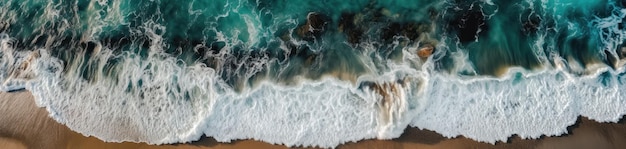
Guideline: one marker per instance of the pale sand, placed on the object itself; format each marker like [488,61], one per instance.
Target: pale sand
[22,125]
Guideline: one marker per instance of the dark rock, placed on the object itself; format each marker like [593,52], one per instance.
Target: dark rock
[314,27]
[348,25]
[467,23]
[410,30]
[425,51]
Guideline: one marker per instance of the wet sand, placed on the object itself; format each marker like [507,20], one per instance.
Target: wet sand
[24,125]
[11,143]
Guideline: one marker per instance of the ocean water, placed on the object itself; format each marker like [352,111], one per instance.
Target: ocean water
[316,73]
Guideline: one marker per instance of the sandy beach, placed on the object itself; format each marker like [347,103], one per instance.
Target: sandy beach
[24,125]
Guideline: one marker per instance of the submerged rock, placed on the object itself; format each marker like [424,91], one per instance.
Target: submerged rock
[314,27]
[467,24]
[348,25]
[411,30]
[425,51]
[384,24]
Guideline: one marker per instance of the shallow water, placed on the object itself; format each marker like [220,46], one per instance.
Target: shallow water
[315,73]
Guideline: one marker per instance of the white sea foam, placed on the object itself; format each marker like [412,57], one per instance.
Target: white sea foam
[152,101]
[10,62]
[179,104]
[325,113]
[544,103]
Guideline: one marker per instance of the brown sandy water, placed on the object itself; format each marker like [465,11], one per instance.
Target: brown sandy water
[24,125]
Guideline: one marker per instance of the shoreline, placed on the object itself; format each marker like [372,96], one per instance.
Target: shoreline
[24,125]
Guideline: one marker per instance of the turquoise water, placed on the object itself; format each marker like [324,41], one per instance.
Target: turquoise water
[315,73]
